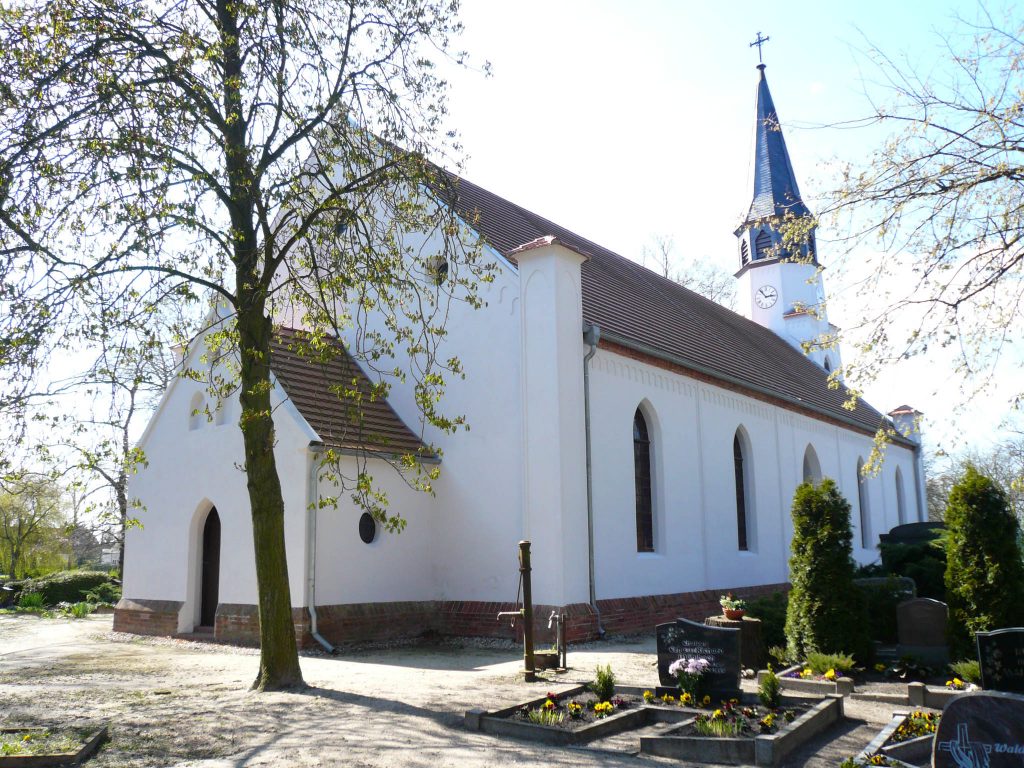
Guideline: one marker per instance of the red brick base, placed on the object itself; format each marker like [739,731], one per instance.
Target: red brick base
[356,622]
[147,617]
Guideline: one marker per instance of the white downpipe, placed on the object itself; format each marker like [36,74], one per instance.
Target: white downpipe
[312,507]
[591,337]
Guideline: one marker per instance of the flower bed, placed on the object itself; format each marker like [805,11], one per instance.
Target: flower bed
[907,738]
[798,678]
[740,739]
[764,733]
[43,747]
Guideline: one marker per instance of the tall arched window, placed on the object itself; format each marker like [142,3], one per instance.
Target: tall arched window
[741,472]
[642,478]
[812,467]
[762,245]
[862,502]
[901,501]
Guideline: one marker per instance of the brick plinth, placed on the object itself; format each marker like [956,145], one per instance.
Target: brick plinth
[355,622]
[147,617]
[239,624]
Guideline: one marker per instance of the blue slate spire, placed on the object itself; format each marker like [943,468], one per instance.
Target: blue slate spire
[775,188]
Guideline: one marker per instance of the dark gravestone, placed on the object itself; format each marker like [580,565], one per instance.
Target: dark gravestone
[980,730]
[683,639]
[1001,657]
[921,629]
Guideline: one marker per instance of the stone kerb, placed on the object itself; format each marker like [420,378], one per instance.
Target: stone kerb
[843,686]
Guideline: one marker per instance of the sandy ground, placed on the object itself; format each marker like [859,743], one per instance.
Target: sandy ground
[176,703]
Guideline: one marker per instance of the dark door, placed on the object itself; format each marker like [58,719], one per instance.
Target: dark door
[211,569]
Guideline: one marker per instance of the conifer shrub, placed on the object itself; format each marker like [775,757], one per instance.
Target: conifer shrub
[66,586]
[604,683]
[826,612]
[984,571]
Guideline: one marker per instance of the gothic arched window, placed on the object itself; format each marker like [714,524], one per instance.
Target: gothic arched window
[862,502]
[901,501]
[812,467]
[642,478]
[741,472]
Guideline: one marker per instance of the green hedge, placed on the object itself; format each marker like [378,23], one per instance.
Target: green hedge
[771,610]
[66,586]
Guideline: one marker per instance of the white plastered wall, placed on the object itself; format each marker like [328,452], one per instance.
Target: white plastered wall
[191,470]
[692,427]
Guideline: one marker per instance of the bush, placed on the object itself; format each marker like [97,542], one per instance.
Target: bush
[771,610]
[880,599]
[604,683]
[925,563]
[31,600]
[66,586]
[79,610]
[106,593]
[820,663]
[826,613]
[770,690]
[984,571]
[968,670]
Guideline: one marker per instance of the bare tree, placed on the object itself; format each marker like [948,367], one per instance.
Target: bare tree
[699,275]
[937,211]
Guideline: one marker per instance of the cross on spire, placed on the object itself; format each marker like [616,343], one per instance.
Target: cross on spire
[759,42]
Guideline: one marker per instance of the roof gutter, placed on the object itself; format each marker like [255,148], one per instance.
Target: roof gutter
[312,507]
[726,378]
[591,337]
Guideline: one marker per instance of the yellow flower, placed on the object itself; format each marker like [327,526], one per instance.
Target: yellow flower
[717,714]
[648,696]
[807,672]
[830,675]
[686,699]
[880,667]
[706,701]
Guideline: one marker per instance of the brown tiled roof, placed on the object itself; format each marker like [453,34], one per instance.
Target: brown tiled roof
[642,310]
[350,423]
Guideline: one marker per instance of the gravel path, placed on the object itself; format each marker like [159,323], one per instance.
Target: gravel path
[177,703]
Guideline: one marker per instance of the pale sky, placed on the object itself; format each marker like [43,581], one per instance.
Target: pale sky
[623,120]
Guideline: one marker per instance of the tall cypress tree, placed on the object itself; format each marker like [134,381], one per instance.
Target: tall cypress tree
[984,570]
[826,611]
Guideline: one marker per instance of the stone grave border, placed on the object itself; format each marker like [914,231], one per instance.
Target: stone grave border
[917,695]
[766,749]
[842,686]
[89,746]
[909,752]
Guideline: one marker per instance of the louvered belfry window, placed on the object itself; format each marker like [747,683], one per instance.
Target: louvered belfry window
[741,493]
[744,253]
[642,477]
[762,245]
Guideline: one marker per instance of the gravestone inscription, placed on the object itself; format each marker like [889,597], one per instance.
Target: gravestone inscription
[980,730]
[683,639]
[1001,658]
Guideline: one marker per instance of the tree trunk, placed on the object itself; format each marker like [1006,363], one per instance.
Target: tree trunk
[279,658]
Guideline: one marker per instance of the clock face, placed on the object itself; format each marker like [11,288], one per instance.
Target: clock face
[766,296]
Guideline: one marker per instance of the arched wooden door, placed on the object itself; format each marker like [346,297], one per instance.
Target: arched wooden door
[211,570]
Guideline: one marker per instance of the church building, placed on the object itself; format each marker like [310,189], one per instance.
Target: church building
[645,439]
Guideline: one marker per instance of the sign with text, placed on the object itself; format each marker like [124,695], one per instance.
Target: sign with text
[980,730]
[720,646]
[1001,657]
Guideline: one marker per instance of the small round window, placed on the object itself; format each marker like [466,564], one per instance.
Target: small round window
[367,528]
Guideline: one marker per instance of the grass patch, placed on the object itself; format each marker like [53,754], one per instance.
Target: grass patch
[41,742]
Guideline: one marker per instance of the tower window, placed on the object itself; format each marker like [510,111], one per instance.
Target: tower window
[762,245]
[642,476]
[744,252]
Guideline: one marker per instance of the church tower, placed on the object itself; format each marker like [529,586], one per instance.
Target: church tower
[780,284]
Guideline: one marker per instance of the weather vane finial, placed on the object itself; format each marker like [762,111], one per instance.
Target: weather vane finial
[759,42]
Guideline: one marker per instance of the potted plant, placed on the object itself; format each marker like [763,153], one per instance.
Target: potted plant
[733,607]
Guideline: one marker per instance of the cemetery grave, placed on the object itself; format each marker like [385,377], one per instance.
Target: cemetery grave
[44,747]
